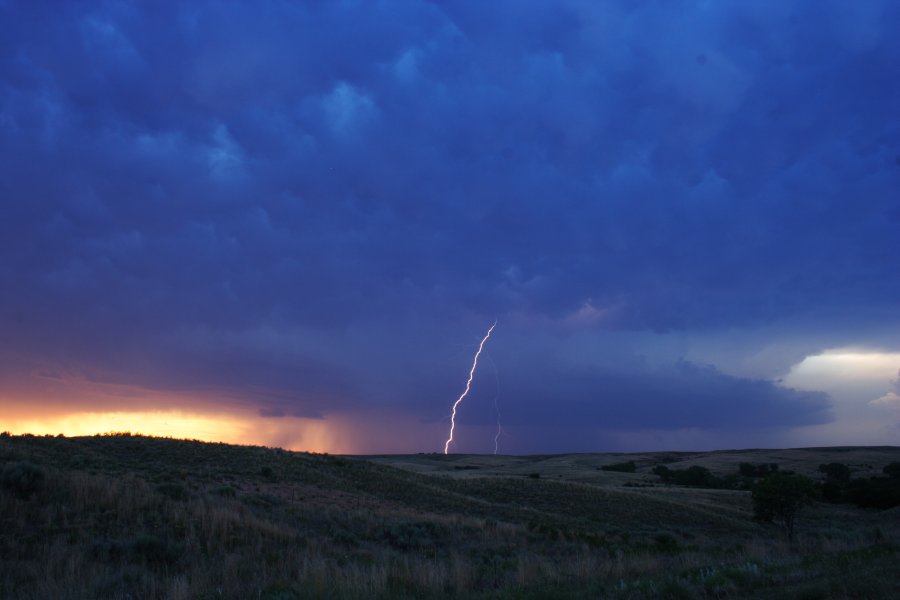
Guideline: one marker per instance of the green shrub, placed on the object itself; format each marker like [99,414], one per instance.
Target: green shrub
[226,491]
[779,498]
[407,536]
[175,491]
[22,479]
[623,467]
[279,592]
[832,492]
[761,470]
[696,476]
[876,492]
[108,550]
[675,590]
[666,543]
[835,471]
[664,473]
[151,549]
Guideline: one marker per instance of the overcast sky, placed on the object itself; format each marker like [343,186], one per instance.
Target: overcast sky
[303,217]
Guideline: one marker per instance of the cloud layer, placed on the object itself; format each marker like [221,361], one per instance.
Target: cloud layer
[316,207]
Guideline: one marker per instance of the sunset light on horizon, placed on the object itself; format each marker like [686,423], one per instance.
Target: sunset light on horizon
[307,435]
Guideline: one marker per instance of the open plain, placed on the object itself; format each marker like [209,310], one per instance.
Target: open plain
[122,516]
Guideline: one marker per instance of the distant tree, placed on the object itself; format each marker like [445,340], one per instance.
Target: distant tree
[664,473]
[696,476]
[835,472]
[780,497]
[872,492]
[623,467]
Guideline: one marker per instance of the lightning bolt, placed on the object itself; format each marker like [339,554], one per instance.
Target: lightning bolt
[496,404]
[468,387]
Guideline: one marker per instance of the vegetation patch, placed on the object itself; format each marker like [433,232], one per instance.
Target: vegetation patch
[125,516]
[22,479]
[622,467]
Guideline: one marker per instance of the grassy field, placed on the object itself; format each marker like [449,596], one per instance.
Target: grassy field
[123,516]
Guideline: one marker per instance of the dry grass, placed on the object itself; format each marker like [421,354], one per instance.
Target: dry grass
[136,517]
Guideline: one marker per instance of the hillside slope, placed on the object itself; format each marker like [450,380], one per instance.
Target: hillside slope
[125,516]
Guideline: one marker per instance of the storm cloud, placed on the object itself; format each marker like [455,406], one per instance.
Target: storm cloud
[318,206]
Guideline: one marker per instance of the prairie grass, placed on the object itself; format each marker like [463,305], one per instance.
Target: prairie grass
[124,516]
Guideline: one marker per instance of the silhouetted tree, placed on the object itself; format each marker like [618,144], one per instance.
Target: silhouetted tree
[664,473]
[696,476]
[780,497]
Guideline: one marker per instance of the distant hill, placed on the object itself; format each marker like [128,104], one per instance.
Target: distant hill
[122,516]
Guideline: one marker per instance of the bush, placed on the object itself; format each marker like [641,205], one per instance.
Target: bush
[877,492]
[226,490]
[695,476]
[279,592]
[692,476]
[666,543]
[832,492]
[624,467]
[151,549]
[761,470]
[175,491]
[892,470]
[835,471]
[407,536]
[22,479]
[664,473]
[779,498]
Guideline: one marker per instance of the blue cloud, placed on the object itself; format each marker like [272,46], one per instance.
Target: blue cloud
[330,168]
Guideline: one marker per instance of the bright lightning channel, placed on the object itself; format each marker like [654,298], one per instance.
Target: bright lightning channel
[468,387]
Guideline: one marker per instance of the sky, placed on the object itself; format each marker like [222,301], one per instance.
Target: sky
[292,223]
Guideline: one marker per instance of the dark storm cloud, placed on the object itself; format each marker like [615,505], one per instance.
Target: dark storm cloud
[177,178]
[620,391]
[679,397]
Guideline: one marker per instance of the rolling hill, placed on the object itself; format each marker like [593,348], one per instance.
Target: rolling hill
[123,516]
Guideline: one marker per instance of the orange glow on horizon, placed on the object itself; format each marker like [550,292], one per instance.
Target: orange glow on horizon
[292,433]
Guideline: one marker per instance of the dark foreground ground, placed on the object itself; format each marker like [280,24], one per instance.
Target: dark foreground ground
[123,516]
